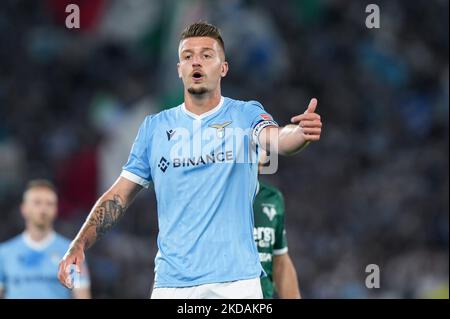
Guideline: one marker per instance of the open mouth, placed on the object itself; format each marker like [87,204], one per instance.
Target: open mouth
[197,76]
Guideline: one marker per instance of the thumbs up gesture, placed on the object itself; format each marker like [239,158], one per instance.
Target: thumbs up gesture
[309,122]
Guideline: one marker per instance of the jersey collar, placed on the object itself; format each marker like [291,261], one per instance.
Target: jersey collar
[38,245]
[203,115]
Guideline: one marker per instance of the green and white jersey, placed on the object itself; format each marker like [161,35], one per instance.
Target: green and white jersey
[269,231]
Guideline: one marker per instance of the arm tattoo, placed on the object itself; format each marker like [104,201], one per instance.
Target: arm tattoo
[102,218]
[106,215]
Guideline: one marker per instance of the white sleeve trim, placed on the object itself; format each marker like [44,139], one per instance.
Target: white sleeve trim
[135,179]
[259,127]
[282,251]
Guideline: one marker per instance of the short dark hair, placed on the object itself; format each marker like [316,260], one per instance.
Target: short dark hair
[203,29]
[40,183]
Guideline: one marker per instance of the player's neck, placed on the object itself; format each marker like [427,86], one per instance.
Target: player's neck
[38,234]
[199,104]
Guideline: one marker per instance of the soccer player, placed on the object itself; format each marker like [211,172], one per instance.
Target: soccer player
[270,237]
[29,261]
[204,191]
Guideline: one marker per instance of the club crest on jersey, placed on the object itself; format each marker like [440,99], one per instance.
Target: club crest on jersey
[269,210]
[220,128]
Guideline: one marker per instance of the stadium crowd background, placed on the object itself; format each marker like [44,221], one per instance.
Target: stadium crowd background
[374,190]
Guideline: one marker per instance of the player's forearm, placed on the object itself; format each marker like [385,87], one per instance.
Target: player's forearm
[104,215]
[106,212]
[285,140]
[290,140]
[294,138]
[287,287]
[285,278]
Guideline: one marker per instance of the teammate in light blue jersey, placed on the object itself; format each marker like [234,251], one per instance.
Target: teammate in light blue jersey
[29,261]
[202,158]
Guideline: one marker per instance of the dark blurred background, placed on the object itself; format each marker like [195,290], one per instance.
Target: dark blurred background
[374,190]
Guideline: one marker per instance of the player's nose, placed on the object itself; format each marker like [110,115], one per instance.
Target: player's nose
[196,61]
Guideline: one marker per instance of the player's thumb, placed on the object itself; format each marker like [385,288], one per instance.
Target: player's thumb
[312,106]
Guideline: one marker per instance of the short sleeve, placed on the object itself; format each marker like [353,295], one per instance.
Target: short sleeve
[137,169]
[280,246]
[259,119]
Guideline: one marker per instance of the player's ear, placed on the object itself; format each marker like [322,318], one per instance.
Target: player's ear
[178,69]
[224,70]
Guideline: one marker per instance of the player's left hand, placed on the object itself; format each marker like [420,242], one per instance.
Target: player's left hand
[309,122]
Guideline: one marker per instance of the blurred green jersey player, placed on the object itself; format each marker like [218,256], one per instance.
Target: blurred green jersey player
[271,240]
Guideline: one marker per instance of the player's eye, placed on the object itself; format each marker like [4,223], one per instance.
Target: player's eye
[187,57]
[206,56]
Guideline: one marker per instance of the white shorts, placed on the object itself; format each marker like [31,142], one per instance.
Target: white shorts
[239,289]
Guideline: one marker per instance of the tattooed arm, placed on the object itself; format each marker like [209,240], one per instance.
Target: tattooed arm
[106,212]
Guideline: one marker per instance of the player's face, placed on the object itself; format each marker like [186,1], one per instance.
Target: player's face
[202,64]
[39,207]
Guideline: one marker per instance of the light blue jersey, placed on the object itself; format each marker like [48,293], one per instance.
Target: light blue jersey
[205,178]
[28,269]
